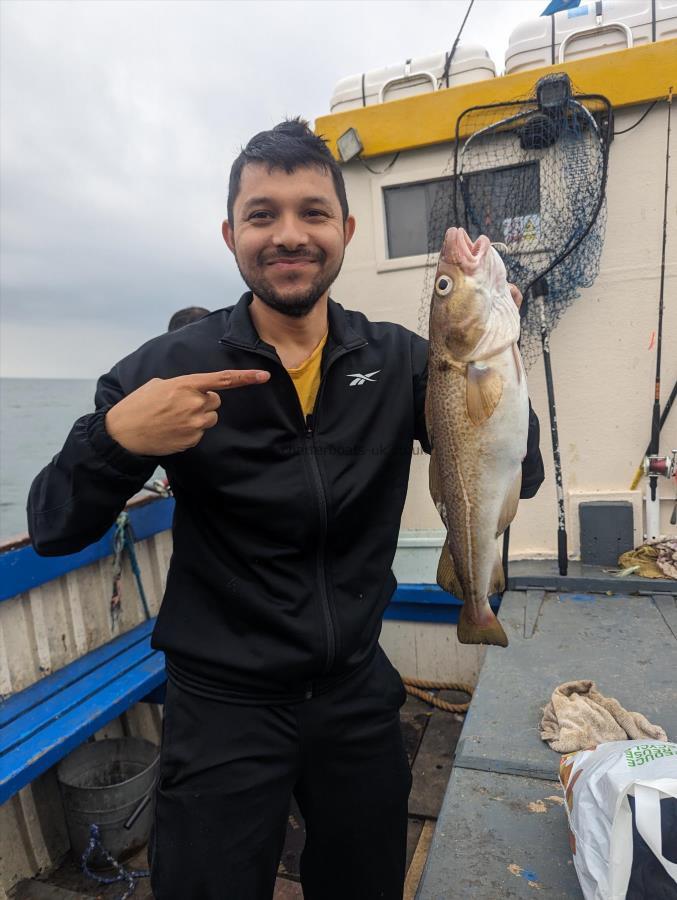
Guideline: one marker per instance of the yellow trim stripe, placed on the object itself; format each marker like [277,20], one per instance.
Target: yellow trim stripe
[625,77]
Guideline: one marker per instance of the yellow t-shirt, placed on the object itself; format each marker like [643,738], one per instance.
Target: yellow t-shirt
[306,378]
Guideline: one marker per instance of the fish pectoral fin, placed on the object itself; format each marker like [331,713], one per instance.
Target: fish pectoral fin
[510,504]
[469,632]
[446,573]
[483,392]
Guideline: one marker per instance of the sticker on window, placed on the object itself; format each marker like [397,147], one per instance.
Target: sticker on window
[522,229]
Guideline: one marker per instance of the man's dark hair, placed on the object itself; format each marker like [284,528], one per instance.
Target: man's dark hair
[186,316]
[287,146]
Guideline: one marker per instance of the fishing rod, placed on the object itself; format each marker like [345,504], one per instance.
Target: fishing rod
[447,65]
[505,554]
[647,452]
[652,508]
[539,294]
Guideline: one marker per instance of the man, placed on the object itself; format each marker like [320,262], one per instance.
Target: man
[185,316]
[289,495]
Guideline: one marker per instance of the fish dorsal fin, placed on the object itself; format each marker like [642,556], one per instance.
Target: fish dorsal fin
[509,509]
[518,362]
[484,390]
[446,573]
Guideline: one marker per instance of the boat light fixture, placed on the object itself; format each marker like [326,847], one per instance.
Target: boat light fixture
[553,92]
[349,145]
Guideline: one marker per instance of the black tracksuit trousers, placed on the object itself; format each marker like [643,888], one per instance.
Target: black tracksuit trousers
[227,774]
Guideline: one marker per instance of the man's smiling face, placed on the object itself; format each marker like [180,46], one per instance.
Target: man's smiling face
[288,235]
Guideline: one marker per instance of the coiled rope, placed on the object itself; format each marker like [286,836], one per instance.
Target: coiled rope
[420,687]
[131,876]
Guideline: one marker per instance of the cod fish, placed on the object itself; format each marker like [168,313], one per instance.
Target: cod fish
[477,416]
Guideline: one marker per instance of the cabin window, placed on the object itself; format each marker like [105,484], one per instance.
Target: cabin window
[408,208]
[506,204]
[503,211]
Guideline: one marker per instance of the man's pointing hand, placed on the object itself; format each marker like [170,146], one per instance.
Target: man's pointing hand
[167,415]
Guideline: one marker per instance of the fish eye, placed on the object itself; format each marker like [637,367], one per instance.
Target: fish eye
[444,286]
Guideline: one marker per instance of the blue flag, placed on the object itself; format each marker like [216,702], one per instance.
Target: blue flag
[556,6]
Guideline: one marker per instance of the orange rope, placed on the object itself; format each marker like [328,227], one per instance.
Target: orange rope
[419,687]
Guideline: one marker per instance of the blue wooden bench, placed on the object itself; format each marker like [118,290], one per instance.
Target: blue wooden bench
[43,723]
[40,725]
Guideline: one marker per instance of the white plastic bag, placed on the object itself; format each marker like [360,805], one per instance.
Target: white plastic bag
[596,786]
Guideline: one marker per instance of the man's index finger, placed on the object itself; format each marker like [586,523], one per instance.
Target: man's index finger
[225,379]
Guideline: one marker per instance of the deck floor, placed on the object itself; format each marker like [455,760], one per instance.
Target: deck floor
[430,738]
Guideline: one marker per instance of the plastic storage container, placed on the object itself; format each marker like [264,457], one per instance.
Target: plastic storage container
[415,76]
[574,33]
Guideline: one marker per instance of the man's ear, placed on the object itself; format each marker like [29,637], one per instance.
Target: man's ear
[227,232]
[348,229]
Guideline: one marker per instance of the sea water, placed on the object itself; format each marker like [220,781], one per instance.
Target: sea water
[36,415]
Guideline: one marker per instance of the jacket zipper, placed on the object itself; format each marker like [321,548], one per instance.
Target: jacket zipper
[309,425]
[321,547]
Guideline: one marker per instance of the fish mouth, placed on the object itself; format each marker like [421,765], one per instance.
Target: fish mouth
[460,250]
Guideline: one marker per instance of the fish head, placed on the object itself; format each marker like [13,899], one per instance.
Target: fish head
[469,275]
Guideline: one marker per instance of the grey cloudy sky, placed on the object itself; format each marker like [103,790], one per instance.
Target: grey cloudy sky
[119,122]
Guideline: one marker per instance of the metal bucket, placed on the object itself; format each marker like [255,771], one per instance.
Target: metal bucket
[109,783]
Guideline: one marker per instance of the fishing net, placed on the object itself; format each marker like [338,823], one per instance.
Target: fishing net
[530,174]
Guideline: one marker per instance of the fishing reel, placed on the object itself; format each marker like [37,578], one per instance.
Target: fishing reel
[665,466]
[661,465]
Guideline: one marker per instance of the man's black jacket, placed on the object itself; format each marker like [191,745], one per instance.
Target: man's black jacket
[285,528]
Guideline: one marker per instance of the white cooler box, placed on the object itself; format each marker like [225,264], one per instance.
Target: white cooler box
[415,76]
[579,31]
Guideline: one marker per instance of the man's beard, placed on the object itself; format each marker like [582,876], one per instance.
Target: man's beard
[295,305]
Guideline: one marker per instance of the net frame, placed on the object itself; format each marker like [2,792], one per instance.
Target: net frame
[527,109]
[569,256]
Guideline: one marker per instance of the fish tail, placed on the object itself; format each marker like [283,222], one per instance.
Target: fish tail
[491,632]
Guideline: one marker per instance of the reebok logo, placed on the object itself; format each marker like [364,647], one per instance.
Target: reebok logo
[358,378]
